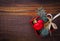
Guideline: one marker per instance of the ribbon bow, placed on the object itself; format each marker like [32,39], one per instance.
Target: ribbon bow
[47,26]
[50,23]
[51,18]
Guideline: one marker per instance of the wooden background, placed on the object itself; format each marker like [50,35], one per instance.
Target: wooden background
[15,16]
[29,9]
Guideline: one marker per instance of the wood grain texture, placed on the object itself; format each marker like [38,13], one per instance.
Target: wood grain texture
[15,17]
[18,28]
[31,9]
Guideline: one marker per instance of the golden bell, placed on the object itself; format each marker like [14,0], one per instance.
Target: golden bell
[34,21]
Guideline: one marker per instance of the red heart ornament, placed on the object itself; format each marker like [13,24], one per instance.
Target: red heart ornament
[39,25]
